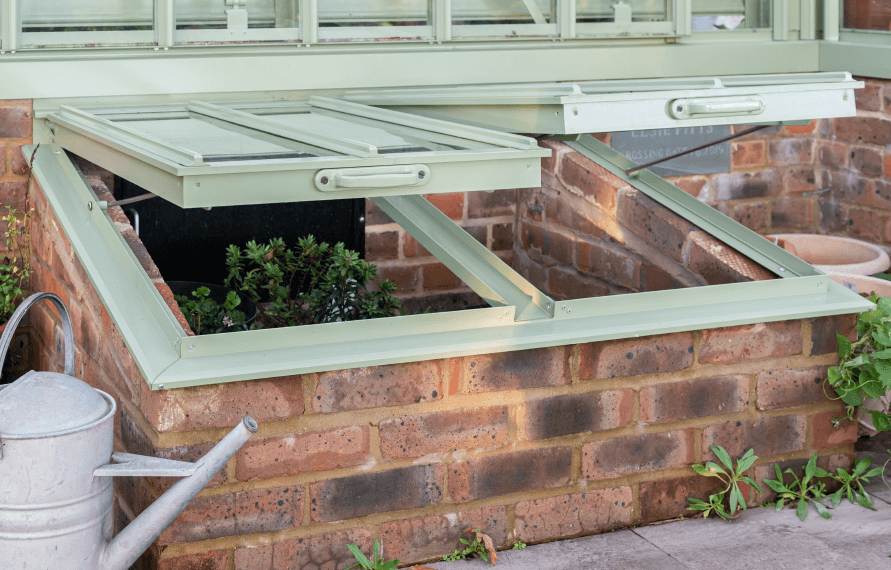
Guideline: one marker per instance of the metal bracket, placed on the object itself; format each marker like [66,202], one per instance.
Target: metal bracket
[471,261]
[130,465]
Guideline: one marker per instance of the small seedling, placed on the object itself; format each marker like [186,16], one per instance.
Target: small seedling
[731,477]
[800,491]
[852,484]
[481,546]
[518,545]
[376,563]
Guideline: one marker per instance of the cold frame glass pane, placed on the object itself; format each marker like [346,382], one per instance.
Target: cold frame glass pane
[488,12]
[601,11]
[214,21]
[867,15]
[112,22]
[716,15]
[363,20]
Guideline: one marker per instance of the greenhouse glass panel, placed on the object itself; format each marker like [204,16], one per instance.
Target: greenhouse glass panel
[86,23]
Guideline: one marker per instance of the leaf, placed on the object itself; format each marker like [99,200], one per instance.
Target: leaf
[821,510]
[715,468]
[360,558]
[722,454]
[844,346]
[880,421]
[752,483]
[835,498]
[884,305]
[801,511]
[873,388]
[486,540]
[733,500]
[871,316]
[745,462]
[882,338]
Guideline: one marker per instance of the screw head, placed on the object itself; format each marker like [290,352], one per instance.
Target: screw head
[679,109]
[782,269]
[90,206]
[323,180]
[160,386]
[191,347]
[422,174]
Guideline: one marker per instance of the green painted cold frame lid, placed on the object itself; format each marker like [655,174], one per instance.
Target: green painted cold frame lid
[202,155]
[626,105]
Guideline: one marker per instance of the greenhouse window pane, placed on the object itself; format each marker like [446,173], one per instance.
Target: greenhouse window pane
[721,15]
[213,21]
[363,20]
[87,22]
[504,18]
[867,15]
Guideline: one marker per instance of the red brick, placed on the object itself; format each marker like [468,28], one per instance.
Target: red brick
[412,248]
[694,186]
[657,225]
[450,203]
[867,161]
[617,457]
[16,121]
[572,515]
[368,493]
[502,237]
[244,512]
[753,216]
[826,435]
[561,212]
[531,203]
[381,245]
[869,98]
[667,498]
[767,436]
[719,264]
[694,399]
[557,416]
[415,436]
[516,370]
[224,405]
[833,216]
[566,283]
[792,213]
[632,357]
[750,342]
[491,204]
[657,279]
[741,186]
[213,560]
[375,216]
[327,550]
[20,163]
[787,152]
[552,244]
[508,473]
[865,224]
[404,277]
[612,265]
[801,129]
[425,538]
[14,194]
[378,386]
[823,331]
[168,297]
[590,179]
[438,277]
[888,165]
[862,129]
[790,388]
[833,155]
[290,454]
[747,154]
[799,180]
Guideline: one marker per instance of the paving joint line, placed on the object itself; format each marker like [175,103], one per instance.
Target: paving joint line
[634,530]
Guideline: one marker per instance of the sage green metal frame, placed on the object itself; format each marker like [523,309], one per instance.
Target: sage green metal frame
[168,358]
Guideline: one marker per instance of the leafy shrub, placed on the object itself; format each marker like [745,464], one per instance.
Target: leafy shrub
[206,316]
[309,284]
[16,264]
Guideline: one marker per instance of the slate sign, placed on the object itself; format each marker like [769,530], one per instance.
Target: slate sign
[653,144]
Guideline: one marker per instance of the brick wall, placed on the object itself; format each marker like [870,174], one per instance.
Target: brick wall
[421,280]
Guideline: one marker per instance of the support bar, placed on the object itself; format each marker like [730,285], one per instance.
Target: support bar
[472,262]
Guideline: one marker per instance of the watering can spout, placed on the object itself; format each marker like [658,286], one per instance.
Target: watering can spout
[132,541]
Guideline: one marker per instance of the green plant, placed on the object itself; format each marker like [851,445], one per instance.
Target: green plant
[376,563]
[518,545]
[206,316]
[864,369]
[852,483]
[16,264]
[481,546]
[311,283]
[800,491]
[730,477]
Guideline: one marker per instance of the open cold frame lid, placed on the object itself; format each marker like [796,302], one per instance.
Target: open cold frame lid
[202,155]
[609,106]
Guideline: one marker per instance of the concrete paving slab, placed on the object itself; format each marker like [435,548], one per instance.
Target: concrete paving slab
[622,550]
[762,538]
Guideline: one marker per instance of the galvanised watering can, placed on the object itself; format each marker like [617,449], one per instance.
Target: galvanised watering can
[56,465]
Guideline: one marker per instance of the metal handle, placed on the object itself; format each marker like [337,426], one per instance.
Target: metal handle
[691,108]
[334,179]
[19,313]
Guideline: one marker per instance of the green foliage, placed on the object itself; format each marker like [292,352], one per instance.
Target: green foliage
[518,545]
[15,268]
[730,476]
[206,316]
[864,369]
[311,283]
[376,563]
[852,483]
[477,547]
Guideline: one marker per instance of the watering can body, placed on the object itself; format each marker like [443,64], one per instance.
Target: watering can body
[56,470]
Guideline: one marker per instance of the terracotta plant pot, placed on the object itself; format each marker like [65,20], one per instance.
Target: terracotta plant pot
[835,254]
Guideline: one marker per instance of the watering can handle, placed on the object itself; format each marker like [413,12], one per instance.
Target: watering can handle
[16,317]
